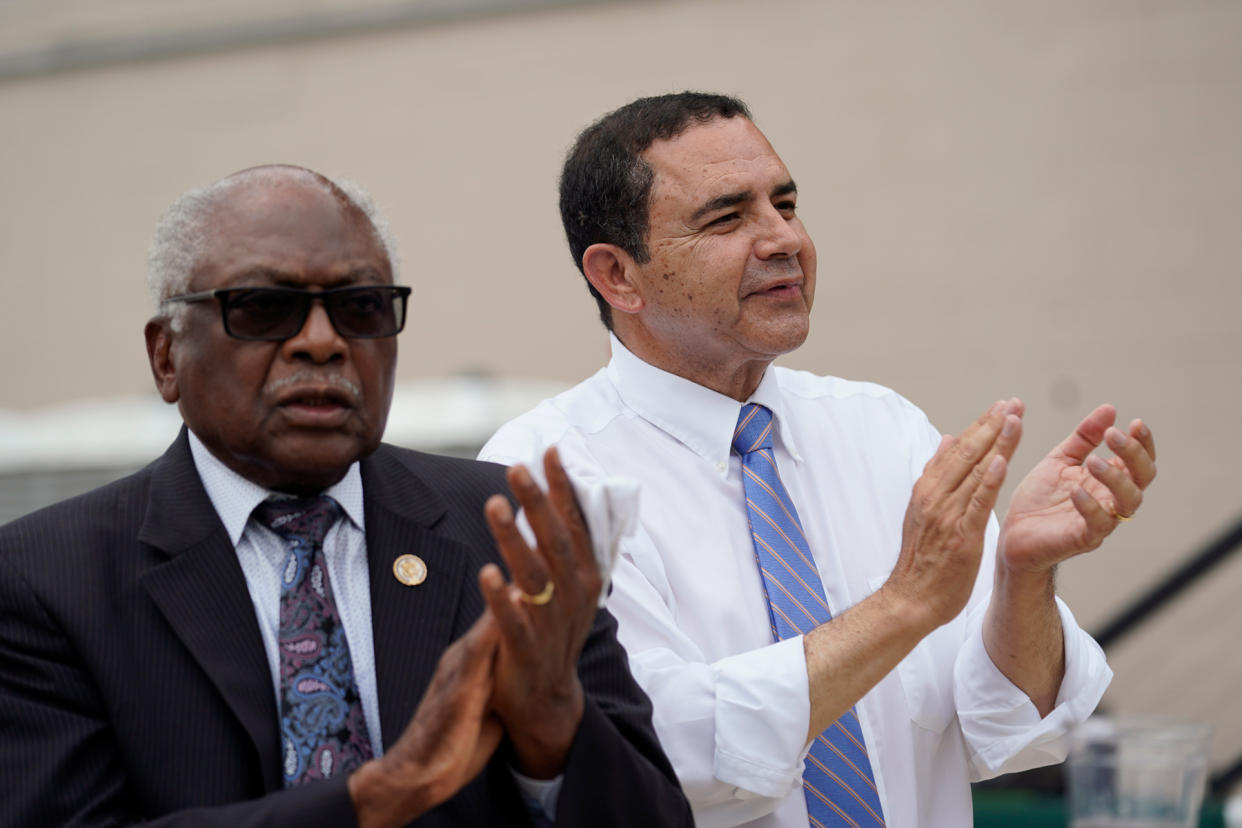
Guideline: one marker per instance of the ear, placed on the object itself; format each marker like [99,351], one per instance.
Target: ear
[159,352]
[614,274]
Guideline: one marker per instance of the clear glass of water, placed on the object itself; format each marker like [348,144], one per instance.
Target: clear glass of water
[1134,772]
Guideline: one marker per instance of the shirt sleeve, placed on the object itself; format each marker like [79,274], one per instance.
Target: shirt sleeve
[1002,728]
[735,729]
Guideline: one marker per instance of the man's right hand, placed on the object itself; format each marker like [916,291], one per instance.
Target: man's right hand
[942,537]
[446,744]
[942,545]
[539,697]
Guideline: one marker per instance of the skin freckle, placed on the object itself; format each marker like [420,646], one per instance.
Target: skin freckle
[700,274]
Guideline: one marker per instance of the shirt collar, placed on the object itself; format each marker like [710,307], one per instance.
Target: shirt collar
[700,418]
[234,497]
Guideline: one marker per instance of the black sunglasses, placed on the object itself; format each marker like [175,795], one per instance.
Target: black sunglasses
[275,314]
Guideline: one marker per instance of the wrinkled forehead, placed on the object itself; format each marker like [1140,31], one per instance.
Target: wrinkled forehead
[280,199]
[295,220]
[720,156]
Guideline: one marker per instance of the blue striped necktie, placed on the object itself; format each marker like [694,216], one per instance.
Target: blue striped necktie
[837,780]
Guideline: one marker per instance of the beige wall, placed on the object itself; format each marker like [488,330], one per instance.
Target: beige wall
[1042,199]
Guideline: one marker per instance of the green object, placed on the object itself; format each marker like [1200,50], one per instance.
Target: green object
[1022,809]
[1018,809]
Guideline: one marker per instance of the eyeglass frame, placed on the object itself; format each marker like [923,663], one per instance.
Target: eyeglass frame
[400,293]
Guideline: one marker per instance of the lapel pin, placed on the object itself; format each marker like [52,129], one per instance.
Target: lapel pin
[409,570]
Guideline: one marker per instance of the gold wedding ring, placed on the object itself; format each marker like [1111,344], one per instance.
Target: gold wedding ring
[1122,518]
[544,596]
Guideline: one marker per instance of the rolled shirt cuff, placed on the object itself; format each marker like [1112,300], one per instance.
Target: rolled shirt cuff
[763,710]
[1003,730]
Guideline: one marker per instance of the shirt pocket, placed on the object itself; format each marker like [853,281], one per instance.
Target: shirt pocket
[926,675]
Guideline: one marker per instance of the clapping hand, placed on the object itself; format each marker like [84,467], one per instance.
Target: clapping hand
[1073,499]
[544,616]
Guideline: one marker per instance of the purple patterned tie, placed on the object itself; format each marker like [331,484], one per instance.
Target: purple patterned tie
[323,731]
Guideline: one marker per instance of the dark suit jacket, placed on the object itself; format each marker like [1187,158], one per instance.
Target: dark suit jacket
[134,684]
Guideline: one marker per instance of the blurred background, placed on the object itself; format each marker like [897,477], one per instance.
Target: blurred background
[1033,199]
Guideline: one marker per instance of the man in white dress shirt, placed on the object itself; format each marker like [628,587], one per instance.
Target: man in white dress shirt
[683,220]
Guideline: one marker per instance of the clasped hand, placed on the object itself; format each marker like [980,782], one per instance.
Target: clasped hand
[513,673]
[538,696]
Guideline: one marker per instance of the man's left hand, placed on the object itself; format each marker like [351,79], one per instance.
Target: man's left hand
[544,617]
[1074,499]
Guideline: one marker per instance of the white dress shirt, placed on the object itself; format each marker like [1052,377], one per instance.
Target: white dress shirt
[731,707]
[261,553]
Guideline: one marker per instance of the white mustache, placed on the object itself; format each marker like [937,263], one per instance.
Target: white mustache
[308,377]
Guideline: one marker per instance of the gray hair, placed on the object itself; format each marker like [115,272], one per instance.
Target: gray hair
[181,234]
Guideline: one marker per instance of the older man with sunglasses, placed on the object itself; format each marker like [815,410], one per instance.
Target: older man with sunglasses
[278,622]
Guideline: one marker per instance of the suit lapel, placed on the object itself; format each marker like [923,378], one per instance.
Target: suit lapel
[202,593]
[411,625]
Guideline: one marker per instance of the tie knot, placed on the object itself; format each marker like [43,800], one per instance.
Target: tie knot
[754,429]
[306,518]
